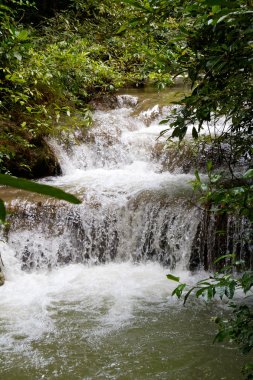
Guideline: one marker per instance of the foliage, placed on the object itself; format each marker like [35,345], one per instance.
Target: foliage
[55,56]
[219,47]
[24,184]
[234,277]
[232,197]
[212,45]
[237,328]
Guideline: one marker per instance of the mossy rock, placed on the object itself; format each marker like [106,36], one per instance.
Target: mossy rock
[34,162]
[104,102]
[25,156]
[2,279]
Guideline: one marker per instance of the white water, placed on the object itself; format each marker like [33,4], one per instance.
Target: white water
[114,170]
[109,321]
[132,209]
[55,319]
[120,287]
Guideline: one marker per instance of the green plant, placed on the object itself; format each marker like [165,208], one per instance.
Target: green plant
[24,184]
[233,197]
[238,327]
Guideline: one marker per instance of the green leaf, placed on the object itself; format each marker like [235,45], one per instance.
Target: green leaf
[2,211]
[214,2]
[248,174]
[230,256]
[247,281]
[178,290]
[122,29]
[164,121]
[136,4]
[195,134]
[188,294]
[24,184]
[209,165]
[196,172]
[220,336]
[22,35]
[201,291]
[216,8]
[173,278]
[211,292]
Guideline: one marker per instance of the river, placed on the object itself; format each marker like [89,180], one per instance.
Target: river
[86,294]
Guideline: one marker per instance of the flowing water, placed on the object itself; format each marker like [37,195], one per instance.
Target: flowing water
[86,294]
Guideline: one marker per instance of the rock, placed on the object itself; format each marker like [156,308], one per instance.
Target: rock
[34,162]
[2,278]
[23,155]
[104,102]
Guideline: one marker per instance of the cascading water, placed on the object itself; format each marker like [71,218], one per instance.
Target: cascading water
[132,210]
[61,316]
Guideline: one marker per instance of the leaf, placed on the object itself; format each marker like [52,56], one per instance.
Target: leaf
[216,8]
[232,289]
[173,278]
[211,292]
[22,35]
[195,134]
[201,291]
[178,290]
[231,256]
[196,172]
[248,174]
[24,184]
[247,281]
[17,55]
[2,211]
[215,178]
[122,29]
[164,121]
[188,294]
[136,4]
[209,165]
[220,336]
[214,2]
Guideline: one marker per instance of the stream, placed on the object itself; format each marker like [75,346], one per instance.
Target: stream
[86,294]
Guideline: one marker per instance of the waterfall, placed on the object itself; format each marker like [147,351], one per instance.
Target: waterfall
[135,208]
[132,208]
[86,294]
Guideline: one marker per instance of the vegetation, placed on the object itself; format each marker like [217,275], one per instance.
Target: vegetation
[55,57]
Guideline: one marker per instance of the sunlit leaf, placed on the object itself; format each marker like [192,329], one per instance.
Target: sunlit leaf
[24,184]
[173,278]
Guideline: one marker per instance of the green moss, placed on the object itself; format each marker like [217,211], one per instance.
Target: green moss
[2,279]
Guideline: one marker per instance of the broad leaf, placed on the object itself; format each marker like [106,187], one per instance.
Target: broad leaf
[173,278]
[24,184]
[248,174]
[2,211]
[195,134]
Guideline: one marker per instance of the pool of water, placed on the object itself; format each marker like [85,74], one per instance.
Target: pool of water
[112,321]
